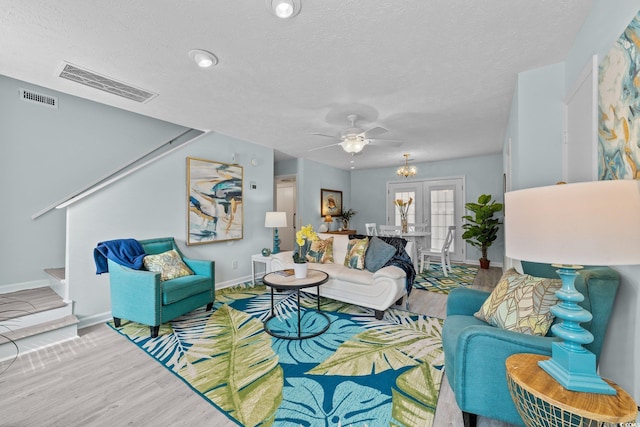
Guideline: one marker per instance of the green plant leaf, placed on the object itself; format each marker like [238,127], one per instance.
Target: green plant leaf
[414,403]
[390,346]
[245,381]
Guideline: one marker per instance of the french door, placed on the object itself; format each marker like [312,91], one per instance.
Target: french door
[438,202]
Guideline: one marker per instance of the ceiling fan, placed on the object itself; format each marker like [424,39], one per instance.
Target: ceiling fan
[354,139]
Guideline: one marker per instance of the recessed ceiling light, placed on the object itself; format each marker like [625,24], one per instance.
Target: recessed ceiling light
[284,9]
[203,58]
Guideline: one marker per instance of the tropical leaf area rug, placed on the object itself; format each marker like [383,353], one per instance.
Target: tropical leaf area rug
[433,280]
[360,372]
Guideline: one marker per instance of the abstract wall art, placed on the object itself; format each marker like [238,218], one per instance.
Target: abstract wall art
[619,107]
[214,201]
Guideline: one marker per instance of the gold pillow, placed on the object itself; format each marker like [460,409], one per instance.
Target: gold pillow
[321,251]
[356,251]
[521,303]
[168,264]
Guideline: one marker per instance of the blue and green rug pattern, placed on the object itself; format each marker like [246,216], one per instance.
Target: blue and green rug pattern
[433,280]
[360,372]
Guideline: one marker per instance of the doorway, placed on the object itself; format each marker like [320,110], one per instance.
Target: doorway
[437,202]
[286,201]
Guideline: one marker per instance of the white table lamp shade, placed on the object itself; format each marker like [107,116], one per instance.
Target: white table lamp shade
[275,219]
[589,223]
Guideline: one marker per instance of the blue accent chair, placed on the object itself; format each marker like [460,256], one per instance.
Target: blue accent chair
[475,352]
[140,296]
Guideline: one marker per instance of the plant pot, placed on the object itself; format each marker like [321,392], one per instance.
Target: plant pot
[484,263]
[345,224]
[300,270]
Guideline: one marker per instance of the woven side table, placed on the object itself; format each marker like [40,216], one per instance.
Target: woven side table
[542,401]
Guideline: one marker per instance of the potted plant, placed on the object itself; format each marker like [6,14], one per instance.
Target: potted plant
[481,228]
[346,217]
[304,237]
[403,208]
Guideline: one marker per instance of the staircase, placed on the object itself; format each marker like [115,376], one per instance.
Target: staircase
[34,318]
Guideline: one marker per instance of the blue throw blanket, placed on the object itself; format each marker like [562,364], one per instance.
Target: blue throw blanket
[401,259]
[127,252]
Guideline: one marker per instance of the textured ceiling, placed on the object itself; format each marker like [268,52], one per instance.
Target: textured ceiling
[438,74]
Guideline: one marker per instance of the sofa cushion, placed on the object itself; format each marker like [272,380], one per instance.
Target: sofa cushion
[356,251]
[168,264]
[378,254]
[521,303]
[321,251]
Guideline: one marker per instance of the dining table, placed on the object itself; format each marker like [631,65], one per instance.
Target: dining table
[420,239]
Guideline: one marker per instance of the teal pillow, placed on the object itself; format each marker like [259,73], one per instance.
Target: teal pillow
[378,254]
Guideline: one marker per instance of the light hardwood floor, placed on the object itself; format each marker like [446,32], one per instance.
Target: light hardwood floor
[100,379]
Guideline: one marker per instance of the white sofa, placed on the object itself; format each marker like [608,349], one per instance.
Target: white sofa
[377,291]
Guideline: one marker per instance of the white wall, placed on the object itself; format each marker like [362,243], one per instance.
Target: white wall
[46,154]
[152,203]
[483,176]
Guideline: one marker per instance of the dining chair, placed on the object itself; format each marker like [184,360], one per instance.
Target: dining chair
[371,229]
[443,253]
[391,230]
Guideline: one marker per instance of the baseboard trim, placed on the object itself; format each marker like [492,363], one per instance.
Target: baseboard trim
[14,287]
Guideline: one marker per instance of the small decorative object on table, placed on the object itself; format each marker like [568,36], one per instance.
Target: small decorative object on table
[403,208]
[304,237]
[346,217]
[266,252]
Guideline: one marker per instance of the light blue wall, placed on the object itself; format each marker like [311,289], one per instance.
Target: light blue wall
[483,176]
[536,155]
[49,153]
[312,177]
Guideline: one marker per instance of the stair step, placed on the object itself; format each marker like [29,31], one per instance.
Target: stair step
[57,273]
[28,301]
[29,331]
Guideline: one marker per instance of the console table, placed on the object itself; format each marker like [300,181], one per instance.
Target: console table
[342,232]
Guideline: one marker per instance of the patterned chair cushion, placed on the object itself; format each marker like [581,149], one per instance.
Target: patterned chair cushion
[168,264]
[521,303]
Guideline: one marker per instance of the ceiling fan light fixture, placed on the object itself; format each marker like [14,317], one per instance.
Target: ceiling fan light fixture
[406,170]
[353,144]
[283,9]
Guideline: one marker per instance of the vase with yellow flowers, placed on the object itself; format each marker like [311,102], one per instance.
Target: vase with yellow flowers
[403,208]
[304,237]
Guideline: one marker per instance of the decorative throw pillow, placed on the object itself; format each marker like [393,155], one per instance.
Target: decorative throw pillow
[378,254]
[321,251]
[168,264]
[355,253]
[521,303]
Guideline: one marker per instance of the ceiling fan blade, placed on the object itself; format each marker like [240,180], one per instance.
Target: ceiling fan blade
[385,142]
[326,136]
[325,146]
[373,132]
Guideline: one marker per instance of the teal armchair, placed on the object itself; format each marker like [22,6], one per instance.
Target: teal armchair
[140,296]
[475,352]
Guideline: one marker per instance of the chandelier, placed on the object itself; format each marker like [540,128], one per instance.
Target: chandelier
[406,170]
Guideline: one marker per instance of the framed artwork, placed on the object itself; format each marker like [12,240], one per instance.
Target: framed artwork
[330,202]
[214,201]
[618,103]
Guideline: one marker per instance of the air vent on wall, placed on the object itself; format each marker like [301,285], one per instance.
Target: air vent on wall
[38,98]
[104,83]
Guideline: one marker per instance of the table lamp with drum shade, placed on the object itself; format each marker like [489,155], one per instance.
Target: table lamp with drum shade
[275,220]
[571,225]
